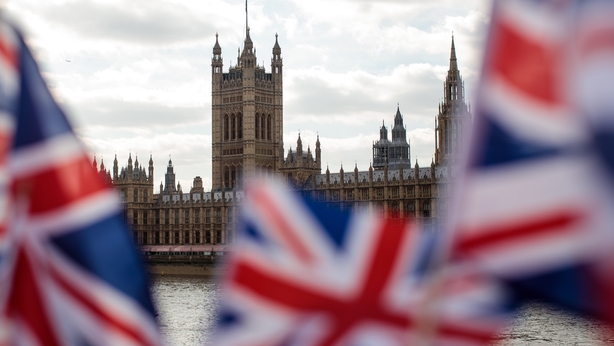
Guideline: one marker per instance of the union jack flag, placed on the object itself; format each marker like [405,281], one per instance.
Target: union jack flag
[304,274]
[69,270]
[536,204]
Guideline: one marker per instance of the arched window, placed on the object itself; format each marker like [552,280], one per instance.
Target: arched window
[233,177]
[257,126]
[268,136]
[263,127]
[239,126]
[226,176]
[240,177]
[226,130]
[233,127]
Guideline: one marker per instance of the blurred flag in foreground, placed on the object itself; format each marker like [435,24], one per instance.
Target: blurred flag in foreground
[302,274]
[535,202]
[305,274]
[69,273]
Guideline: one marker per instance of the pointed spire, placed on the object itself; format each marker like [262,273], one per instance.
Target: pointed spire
[150,160]
[249,44]
[453,64]
[94,163]
[276,47]
[217,50]
[398,118]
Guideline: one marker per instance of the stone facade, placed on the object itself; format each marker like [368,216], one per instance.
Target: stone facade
[247,116]
[252,143]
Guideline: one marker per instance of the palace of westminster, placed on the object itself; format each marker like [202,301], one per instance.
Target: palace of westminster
[247,129]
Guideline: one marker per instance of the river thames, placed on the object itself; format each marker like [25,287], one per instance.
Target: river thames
[187,305]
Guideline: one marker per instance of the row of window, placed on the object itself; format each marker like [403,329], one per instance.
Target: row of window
[379,192]
[232,99]
[138,195]
[180,238]
[233,177]
[233,126]
[235,151]
[264,99]
[174,217]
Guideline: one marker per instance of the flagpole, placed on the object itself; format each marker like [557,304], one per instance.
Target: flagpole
[246,23]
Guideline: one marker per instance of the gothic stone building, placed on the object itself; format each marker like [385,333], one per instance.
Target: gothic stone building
[247,128]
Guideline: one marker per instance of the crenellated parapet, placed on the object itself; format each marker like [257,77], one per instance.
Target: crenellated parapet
[402,192]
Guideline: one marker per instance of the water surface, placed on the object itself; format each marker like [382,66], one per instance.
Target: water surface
[187,308]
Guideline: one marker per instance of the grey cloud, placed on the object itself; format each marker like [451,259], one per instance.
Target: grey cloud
[140,22]
[124,114]
[418,98]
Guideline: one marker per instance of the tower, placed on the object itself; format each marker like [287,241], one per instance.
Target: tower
[247,116]
[398,151]
[453,112]
[391,153]
[169,178]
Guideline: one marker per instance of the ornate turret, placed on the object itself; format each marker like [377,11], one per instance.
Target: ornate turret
[276,60]
[391,153]
[151,168]
[130,165]
[115,169]
[95,164]
[299,149]
[416,171]
[383,132]
[318,152]
[453,113]
[169,178]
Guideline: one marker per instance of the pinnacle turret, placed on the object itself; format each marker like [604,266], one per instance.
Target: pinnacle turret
[216,48]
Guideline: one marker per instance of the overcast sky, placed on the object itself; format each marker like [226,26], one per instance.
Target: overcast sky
[135,76]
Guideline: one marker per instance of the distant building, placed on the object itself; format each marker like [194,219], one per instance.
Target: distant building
[247,125]
[392,153]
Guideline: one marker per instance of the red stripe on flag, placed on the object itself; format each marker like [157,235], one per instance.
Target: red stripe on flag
[6,140]
[25,302]
[501,233]
[344,313]
[60,185]
[103,315]
[528,65]
[597,41]
[8,53]
[282,225]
